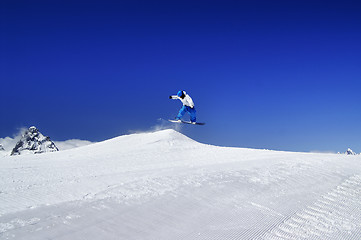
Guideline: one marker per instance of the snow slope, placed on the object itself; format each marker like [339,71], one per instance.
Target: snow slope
[163,185]
[72,143]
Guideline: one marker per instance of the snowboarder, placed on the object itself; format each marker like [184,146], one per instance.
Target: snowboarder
[188,106]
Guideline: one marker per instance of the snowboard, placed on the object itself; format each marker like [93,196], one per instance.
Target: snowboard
[186,122]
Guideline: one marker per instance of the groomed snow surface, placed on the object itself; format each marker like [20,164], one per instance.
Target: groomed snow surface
[163,185]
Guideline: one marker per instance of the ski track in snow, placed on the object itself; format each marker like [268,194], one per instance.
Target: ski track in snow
[335,215]
[164,185]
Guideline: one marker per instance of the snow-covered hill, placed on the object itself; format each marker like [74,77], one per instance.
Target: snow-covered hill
[72,143]
[2,151]
[163,185]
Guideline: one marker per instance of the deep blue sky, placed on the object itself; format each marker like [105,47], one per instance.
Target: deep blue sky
[282,75]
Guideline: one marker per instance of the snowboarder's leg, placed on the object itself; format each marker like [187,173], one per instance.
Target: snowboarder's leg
[182,111]
[192,113]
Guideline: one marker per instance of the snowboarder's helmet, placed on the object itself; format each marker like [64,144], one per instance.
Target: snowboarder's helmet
[180,94]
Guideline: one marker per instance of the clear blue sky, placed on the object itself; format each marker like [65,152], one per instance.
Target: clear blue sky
[280,75]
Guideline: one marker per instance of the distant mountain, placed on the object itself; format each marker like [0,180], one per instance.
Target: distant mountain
[350,152]
[2,148]
[32,141]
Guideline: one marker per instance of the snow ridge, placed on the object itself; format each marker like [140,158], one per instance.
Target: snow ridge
[32,141]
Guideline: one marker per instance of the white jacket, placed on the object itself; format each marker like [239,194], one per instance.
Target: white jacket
[187,100]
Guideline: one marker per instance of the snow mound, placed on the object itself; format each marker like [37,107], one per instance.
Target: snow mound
[160,140]
[32,141]
[2,148]
[167,137]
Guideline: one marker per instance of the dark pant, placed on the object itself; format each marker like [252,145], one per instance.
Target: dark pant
[189,110]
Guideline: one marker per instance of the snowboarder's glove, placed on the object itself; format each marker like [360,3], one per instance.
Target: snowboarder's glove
[170,97]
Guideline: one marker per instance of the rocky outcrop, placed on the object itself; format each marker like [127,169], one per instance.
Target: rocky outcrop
[350,152]
[33,142]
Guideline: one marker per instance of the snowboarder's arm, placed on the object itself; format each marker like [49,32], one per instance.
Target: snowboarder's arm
[173,97]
